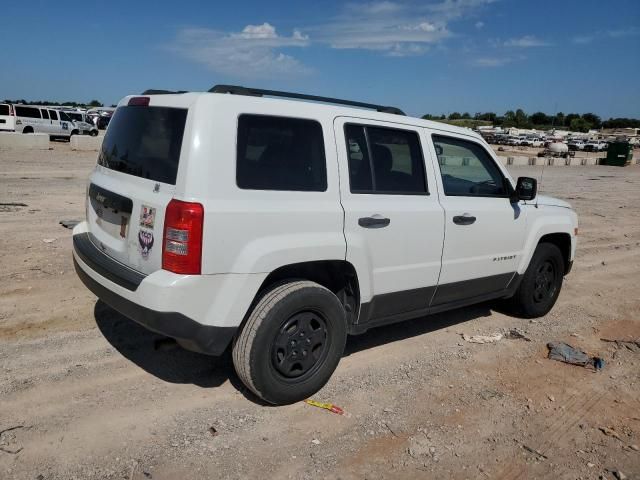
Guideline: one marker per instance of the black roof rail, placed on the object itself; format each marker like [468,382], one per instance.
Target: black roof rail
[257,92]
[153,91]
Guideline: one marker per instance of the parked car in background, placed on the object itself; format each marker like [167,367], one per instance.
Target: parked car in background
[84,125]
[7,117]
[595,146]
[38,119]
[576,145]
[535,142]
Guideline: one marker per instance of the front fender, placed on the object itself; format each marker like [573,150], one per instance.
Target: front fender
[545,220]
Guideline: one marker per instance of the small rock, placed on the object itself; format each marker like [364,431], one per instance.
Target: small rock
[591,465]
[551,398]
[48,240]
[619,475]
[315,441]
[634,447]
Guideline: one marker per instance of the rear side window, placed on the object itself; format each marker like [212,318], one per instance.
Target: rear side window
[28,112]
[54,114]
[144,142]
[45,114]
[280,153]
[4,109]
[385,160]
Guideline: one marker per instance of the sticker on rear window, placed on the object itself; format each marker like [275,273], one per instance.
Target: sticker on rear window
[147,216]
[145,239]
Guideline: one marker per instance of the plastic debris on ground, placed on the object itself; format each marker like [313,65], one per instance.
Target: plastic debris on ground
[563,352]
[326,406]
[69,223]
[515,334]
[482,338]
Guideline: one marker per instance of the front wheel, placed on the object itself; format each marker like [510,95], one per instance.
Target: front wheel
[291,343]
[541,284]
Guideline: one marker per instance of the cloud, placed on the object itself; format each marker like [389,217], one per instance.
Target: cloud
[479,25]
[624,32]
[527,41]
[582,39]
[253,52]
[391,28]
[491,61]
[394,28]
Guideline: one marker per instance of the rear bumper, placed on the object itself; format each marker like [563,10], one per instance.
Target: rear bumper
[111,282]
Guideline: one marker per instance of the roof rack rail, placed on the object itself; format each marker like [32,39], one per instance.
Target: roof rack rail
[257,92]
[153,91]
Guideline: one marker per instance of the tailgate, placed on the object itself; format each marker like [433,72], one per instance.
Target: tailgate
[133,183]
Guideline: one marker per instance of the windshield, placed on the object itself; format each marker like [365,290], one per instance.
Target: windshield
[145,142]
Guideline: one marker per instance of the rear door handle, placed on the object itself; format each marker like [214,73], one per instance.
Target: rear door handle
[465,219]
[375,221]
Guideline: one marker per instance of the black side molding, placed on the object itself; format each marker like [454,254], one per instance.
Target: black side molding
[104,265]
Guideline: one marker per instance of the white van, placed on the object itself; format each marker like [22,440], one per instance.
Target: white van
[36,119]
[83,123]
[7,117]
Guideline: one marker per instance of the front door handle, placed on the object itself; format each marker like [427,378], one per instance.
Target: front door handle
[465,219]
[375,221]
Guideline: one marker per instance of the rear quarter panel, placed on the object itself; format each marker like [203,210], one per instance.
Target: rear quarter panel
[255,231]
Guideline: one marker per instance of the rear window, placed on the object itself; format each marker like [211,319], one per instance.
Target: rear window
[280,153]
[144,142]
[28,112]
[4,109]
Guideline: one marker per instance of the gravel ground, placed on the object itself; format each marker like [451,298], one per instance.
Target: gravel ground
[96,396]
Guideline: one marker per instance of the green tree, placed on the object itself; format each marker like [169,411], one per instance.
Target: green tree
[521,118]
[540,118]
[569,118]
[455,116]
[558,120]
[466,115]
[95,103]
[580,125]
[593,119]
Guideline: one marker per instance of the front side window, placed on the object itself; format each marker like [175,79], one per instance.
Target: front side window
[384,160]
[54,114]
[45,114]
[467,169]
[280,153]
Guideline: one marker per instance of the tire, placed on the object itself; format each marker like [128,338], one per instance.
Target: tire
[27,130]
[264,353]
[537,293]
[73,132]
[93,133]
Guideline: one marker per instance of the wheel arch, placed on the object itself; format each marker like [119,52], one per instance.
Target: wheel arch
[563,242]
[338,276]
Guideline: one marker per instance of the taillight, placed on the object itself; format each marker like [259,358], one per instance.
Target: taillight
[139,101]
[182,238]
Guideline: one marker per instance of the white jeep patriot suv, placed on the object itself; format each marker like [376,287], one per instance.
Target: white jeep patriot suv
[278,227]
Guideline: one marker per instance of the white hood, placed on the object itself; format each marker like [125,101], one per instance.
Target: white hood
[550,201]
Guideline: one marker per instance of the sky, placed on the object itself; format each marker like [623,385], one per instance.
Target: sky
[436,56]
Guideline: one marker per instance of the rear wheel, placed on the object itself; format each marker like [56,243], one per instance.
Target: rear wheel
[27,130]
[291,343]
[541,284]
[93,133]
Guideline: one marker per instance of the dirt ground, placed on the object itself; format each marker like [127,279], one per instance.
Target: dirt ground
[95,396]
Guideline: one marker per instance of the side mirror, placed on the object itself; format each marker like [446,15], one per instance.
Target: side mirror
[526,188]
